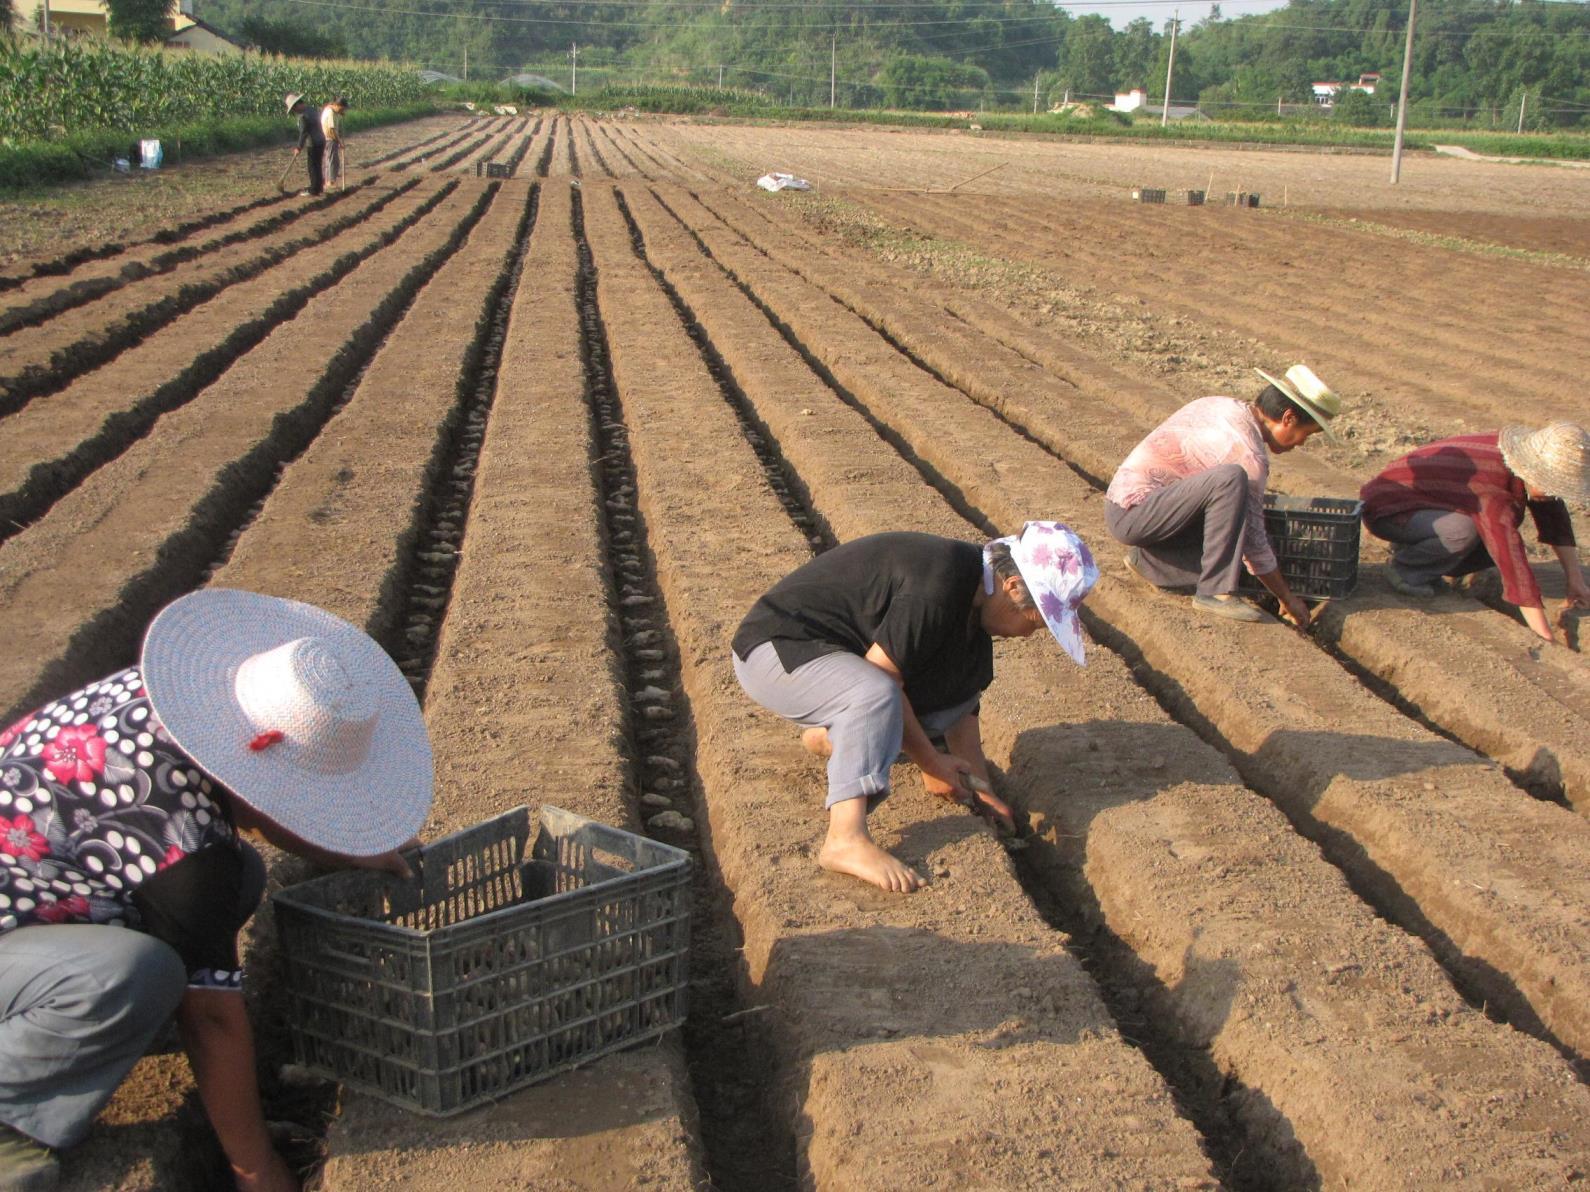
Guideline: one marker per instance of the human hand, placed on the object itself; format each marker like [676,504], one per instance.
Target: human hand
[989,805]
[392,862]
[1296,610]
[1578,592]
[297,151]
[273,1175]
[945,778]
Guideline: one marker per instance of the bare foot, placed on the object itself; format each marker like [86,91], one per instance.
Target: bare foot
[816,741]
[860,856]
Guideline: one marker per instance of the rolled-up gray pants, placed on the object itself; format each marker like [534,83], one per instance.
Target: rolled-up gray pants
[79,1004]
[1188,533]
[858,703]
[1432,543]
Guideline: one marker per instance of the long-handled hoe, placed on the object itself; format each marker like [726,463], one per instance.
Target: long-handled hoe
[281,183]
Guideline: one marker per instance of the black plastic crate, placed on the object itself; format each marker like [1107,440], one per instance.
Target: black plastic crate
[1316,544]
[491,969]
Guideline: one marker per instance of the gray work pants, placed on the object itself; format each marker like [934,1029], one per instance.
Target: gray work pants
[856,702]
[79,1004]
[1432,543]
[1188,533]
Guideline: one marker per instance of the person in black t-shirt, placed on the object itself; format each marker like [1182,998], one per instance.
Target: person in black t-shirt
[124,881]
[888,641]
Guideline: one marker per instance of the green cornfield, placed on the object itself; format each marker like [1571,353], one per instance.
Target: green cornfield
[71,87]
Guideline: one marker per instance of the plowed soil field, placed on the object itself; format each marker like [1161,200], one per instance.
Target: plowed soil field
[1293,911]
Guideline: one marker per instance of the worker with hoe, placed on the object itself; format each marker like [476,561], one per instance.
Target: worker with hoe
[331,128]
[123,878]
[888,641]
[312,136]
[1189,499]
[1453,507]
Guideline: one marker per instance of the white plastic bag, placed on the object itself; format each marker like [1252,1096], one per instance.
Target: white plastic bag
[150,155]
[776,181]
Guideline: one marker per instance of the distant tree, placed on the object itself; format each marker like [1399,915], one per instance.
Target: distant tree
[140,20]
[1134,54]
[919,81]
[1089,64]
[1359,109]
[295,41]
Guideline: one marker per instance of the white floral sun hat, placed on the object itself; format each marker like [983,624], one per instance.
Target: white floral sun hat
[298,713]
[1059,571]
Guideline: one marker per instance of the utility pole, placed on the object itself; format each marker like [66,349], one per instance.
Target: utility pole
[1522,100]
[44,13]
[1035,95]
[466,60]
[720,76]
[1402,100]
[833,60]
[1170,65]
[574,68]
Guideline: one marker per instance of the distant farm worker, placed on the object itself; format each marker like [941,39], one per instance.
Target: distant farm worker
[312,137]
[123,880]
[1189,499]
[331,127]
[888,640]
[1453,507]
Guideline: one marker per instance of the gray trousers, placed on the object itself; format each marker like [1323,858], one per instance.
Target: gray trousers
[856,702]
[1188,533]
[1432,543]
[79,1004]
[333,163]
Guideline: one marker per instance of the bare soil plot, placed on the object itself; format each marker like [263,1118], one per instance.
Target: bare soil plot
[551,474]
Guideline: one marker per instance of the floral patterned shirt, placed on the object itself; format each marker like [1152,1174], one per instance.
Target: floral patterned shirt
[103,819]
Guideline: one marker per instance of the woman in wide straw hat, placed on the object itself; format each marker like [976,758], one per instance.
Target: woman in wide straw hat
[124,881]
[1453,507]
[888,640]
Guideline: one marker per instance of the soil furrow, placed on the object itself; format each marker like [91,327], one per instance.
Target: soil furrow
[470,130]
[922,1068]
[1401,810]
[407,150]
[81,583]
[156,244]
[60,439]
[610,137]
[592,152]
[475,147]
[72,344]
[1476,374]
[37,304]
[499,688]
[1377,1019]
[744,1145]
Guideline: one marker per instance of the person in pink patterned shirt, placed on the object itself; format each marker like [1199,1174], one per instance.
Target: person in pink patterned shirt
[1189,499]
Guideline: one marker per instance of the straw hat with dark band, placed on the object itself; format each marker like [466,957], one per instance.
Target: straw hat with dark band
[299,714]
[1555,458]
[293,99]
[1308,392]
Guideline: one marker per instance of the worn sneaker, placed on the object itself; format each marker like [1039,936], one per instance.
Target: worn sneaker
[1228,606]
[1408,588]
[25,1165]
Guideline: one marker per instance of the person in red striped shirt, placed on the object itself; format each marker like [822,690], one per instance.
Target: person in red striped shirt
[1453,507]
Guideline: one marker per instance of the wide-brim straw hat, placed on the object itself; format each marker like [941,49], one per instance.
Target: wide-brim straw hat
[1302,386]
[1555,458]
[297,713]
[292,100]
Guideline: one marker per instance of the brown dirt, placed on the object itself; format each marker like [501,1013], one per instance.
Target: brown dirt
[1270,956]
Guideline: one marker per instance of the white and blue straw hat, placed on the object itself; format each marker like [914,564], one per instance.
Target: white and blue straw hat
[298,713]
